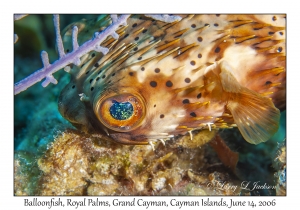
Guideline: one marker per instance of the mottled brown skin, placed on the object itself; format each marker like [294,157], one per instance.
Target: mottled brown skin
[203,72]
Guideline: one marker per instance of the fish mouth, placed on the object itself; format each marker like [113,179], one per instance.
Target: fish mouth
[128,139]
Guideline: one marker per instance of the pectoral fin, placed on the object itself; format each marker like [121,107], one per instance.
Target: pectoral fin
[256,116]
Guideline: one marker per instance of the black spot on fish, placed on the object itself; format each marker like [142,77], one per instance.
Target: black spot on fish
[193,114]
[169,84]
[186,101]
[187,80]
[268,82]
[279,49]
[153,84]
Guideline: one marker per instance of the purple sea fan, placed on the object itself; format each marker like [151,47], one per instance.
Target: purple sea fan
[72,57]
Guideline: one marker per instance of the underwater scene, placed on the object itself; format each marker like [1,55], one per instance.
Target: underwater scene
[191,104]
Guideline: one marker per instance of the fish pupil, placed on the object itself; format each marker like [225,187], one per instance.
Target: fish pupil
[121,111]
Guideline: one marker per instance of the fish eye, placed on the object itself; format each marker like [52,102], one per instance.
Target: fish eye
[122,113]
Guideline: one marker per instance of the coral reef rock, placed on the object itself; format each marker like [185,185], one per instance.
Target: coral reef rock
[78,164]
[280,165]
[26,173]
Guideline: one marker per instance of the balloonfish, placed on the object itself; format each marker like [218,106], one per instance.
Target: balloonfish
[160,80]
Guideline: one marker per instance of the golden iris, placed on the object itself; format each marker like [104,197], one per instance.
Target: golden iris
[120,112]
